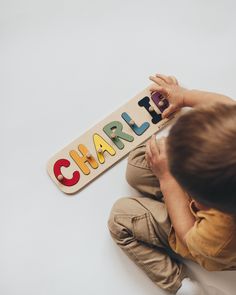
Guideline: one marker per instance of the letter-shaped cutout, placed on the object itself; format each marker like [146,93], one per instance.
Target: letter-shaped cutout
[115,127]
[57,171]
[80,161]
[101,144]
[145,102]
[139,130]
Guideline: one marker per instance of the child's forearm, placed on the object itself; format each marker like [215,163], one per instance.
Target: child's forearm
[177,203]
[193,98]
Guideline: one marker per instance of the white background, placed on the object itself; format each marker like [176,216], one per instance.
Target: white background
[64,65]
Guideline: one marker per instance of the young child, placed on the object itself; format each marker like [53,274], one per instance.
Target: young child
[188,186]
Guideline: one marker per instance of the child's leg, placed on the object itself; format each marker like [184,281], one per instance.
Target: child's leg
[140,226]
[140,176]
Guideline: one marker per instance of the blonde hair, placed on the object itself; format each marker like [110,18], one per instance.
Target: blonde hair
[201,150]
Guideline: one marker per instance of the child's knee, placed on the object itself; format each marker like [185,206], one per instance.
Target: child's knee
[137,157]
[136,163]
[119,222]
[132,175]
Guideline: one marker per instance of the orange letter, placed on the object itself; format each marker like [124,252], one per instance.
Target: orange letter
[86,157]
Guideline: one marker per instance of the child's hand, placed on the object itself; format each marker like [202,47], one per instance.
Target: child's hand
[168,86]
[156,157]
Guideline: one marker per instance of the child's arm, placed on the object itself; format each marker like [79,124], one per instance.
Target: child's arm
[176,199]
[193,98]
[179,97]
[177,203]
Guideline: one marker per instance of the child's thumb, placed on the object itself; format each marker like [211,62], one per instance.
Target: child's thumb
[167,112]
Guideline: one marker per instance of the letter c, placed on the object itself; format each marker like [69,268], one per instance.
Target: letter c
[57,171]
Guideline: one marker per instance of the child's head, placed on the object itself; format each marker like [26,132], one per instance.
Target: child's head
[201,150]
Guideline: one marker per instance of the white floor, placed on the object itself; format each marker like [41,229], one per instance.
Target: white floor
[64,65]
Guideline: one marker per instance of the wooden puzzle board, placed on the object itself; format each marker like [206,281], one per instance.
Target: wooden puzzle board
[96,145]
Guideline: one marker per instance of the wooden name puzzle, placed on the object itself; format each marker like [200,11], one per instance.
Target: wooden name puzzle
[107,142]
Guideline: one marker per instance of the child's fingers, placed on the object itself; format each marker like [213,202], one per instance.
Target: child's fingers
[167,112]
[153,146]
[160,89]
[148,150]
[166,79]
[154,87]
[148,155]
[148,160]
[162,146]
[175,81]
[157,80]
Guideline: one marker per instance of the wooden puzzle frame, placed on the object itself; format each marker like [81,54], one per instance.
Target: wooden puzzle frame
[103,145]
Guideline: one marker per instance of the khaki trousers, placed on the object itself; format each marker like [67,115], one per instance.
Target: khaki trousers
[140,226]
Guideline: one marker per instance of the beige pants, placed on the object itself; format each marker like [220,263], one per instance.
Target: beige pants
[140,226]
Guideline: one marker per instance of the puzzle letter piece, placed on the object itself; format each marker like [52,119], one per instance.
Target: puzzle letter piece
[145,102]
[58,174]
[138,130]
[81,160]
[106,143]
[116,128]
[102,146]
[161,102]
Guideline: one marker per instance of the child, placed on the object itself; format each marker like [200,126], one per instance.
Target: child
[188,183]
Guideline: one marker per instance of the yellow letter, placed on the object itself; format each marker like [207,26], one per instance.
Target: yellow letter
[101,146]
